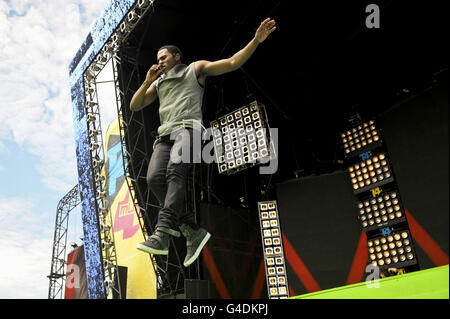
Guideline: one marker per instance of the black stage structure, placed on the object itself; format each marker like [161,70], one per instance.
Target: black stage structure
[319,68]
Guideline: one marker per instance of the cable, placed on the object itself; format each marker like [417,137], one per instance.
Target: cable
[247,15]
[265,94]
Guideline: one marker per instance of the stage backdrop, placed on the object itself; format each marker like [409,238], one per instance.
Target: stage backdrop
[141,279]
[324,246]
[232,259]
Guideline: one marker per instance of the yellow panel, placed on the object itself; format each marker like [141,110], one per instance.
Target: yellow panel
[141,278]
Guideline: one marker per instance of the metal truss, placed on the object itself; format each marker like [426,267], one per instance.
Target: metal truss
[58,263]
[96,146]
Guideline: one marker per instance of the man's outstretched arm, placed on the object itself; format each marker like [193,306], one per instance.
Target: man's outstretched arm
[207,68]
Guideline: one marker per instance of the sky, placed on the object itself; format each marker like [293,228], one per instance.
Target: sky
[38,40]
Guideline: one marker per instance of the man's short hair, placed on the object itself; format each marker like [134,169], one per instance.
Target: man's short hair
[173,50]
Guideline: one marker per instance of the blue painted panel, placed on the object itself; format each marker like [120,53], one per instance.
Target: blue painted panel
[91,236]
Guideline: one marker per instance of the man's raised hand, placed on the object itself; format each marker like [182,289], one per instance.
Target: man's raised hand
[265,28]
[153,73]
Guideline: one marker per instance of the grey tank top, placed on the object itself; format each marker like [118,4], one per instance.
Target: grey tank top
[180,99]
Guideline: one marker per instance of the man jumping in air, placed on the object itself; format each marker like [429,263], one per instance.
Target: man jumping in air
[180,91]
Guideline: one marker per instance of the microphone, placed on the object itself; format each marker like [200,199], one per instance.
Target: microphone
[161,75]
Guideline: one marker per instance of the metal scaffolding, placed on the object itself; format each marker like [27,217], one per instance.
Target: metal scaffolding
[97,149]
[57,270]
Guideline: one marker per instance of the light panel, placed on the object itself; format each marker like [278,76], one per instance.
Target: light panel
[370,173]
[394,250]
[241,138]
[383,210]
[360,138]
[276,276]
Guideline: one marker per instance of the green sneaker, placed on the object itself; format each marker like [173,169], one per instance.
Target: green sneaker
[195,241]
[158,243]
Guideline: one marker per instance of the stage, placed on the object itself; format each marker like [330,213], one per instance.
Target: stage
[425,284]
[353,153]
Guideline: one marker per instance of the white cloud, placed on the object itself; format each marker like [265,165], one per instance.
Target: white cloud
[37,42]
[38,39]
[26,249]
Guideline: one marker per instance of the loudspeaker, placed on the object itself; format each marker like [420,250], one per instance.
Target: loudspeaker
[196,289]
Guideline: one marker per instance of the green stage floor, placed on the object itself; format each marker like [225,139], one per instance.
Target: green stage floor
[425,284]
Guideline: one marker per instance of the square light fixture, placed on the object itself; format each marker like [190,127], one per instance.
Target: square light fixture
[394,250]
[276,276]
[360,139]
[242,139]
[370,173]
[381,211]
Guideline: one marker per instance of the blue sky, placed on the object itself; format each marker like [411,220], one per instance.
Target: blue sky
[38,39]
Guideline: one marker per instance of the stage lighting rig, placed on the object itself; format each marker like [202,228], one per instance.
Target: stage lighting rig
[97,163]
[132,17]
[103,213]
[91,104]
[242,139]
[93,146]
[90,118]
[89,75]
[105,227]
[96,148]
[109,284]
[144,4]
[361,138]
[89,91]
[101,195]
[125,27]
[103,57]
[380,211]
[370,173]
[96,67]
[93,133]
[276,276]
[117,39]
[129,23]
[392,250]
[106,245]
[383,210]
[108,264]
[99,178]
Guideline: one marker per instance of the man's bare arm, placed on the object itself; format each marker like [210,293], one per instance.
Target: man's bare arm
[146,94]
[207,68]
